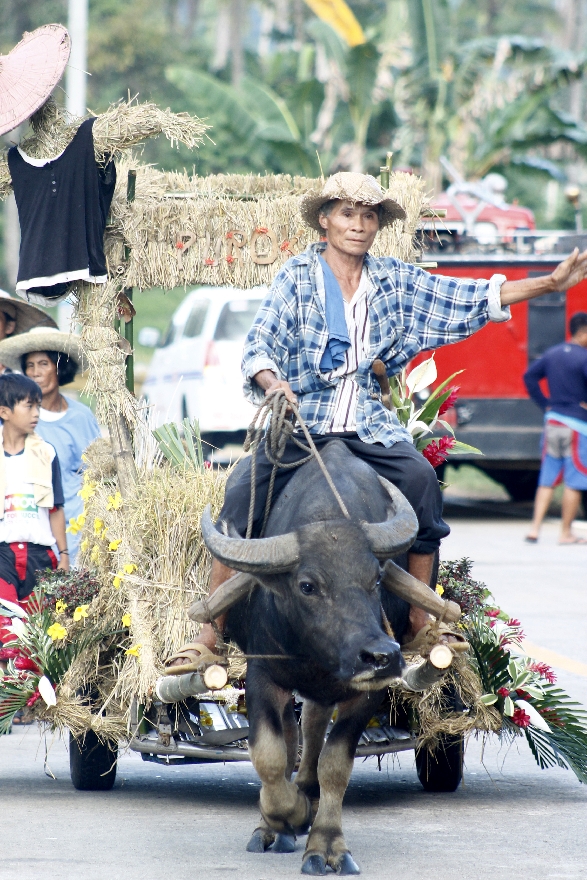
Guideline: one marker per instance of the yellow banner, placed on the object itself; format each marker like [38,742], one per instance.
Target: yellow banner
[341,18]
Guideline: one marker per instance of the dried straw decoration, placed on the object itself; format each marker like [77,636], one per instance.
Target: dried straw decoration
[235,230]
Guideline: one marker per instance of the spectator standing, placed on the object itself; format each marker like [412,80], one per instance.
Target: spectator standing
[52,359]
[564,457]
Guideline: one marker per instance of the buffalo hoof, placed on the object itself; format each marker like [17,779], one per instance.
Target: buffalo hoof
[284,843]
[314,864]
[347,865]
[260,841]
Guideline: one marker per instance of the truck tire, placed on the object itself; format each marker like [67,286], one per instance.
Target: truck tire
[92,763]
[442,769]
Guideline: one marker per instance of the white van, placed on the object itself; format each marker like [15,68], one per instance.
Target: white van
[195,372]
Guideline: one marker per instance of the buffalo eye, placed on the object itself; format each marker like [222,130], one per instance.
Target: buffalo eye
[307,588]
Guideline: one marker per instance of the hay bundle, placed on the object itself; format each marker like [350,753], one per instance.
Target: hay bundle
[152,563]
[235,230]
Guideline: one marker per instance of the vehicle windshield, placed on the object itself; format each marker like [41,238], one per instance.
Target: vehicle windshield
[236,319]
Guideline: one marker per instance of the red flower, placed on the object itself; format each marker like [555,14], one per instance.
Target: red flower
[446,443]
[513,622]
[261,230]
[284,246]
[545,671]
[179,245]
[521,718]
[492,612]
[25,663]
[5,621]
[209,262]
[207,464]
[503,692]
[10,653]
[450,400]
[230,259]
[432,453]
[33,698]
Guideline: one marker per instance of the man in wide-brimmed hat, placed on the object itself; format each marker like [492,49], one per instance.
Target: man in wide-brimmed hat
[52,359]
[330,313]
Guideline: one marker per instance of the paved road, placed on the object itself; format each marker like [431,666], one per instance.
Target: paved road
[509,819]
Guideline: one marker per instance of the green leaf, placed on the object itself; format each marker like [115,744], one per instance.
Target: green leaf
[508,707]
[488,699]
[464,448]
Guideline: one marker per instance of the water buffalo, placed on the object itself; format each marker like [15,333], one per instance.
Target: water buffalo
[318,603]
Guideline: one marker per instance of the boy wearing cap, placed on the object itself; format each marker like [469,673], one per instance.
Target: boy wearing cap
[31,496]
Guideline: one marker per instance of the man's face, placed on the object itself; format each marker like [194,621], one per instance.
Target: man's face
[6,326]
[40,368]
[24,416]
[351,228]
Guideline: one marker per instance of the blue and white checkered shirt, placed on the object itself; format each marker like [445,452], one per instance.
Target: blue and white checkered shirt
[409,311]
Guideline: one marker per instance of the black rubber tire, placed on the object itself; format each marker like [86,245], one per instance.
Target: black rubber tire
[92,763]
[441,770]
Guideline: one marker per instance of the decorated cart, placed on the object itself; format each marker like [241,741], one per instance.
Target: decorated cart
[89,656]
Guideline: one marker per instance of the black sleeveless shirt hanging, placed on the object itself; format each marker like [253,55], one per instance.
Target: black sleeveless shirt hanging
[62,205]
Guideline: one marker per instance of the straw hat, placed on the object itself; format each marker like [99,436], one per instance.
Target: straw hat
[30,72]
[353,187]
[40,339]
[24,315]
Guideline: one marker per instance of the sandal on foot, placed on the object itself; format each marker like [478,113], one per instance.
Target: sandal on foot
[530,539]
[430,635]
[200,657]
[23,718]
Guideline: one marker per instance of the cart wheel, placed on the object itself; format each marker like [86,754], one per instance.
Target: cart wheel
[92,763]
[442,769]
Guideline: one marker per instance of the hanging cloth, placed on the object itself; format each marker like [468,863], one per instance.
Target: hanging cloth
[62,205]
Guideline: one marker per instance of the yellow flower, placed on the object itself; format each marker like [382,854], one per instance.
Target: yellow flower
[103,534]
[98,526]
[115,544]
[114,502]
[126,619]
[95,554]
[88,490]
[84,545]
[80,612]
[60,606]
[81,520]
[73,527]
[129,567]
[134,651]
[439,589]
[117,579]
[56,631]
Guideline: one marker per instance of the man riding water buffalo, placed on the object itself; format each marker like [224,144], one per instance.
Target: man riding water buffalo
[331,311]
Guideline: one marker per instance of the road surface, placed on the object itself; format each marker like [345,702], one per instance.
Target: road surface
[508,820]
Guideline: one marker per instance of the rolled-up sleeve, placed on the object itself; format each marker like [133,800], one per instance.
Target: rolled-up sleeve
[266,345]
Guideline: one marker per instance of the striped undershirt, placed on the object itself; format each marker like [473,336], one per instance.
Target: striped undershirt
[356,313]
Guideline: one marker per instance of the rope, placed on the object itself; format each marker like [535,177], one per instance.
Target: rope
[279,430]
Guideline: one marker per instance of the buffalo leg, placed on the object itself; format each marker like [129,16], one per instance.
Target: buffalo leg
[315,720]
[284,808]
[326,845]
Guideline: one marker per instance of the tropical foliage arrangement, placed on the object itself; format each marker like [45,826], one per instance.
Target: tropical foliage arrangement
[523,691]
[422,416]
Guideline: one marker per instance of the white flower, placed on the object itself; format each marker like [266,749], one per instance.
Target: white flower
[422,376]
[47,691]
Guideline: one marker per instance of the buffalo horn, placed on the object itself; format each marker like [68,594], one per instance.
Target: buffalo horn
[255,555]
[397,581]
[397,534]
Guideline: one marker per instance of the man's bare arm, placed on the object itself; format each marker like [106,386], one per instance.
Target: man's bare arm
[567,274]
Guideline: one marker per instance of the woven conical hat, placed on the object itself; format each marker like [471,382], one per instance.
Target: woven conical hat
[30,72]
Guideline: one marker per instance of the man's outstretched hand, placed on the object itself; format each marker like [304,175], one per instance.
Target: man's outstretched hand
[570,271]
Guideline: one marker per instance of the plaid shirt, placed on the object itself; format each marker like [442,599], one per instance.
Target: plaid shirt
[409,311]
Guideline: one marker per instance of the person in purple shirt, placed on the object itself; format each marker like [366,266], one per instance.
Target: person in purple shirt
[564,454]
